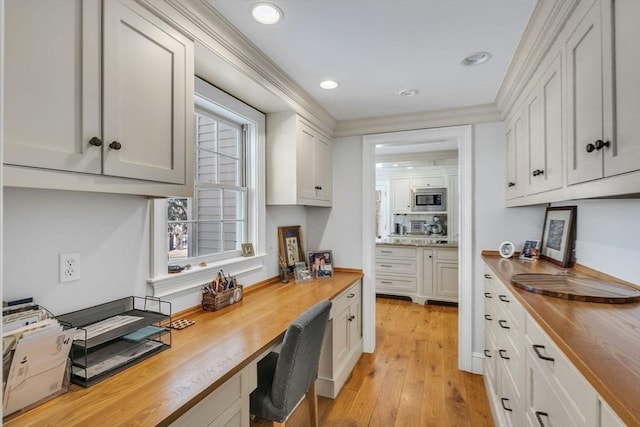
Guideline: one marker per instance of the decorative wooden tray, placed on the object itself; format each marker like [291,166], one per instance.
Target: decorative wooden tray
[576,288]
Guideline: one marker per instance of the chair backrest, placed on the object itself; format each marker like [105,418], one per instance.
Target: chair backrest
[297,366]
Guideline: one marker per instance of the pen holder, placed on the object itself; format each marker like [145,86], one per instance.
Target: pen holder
[211,302]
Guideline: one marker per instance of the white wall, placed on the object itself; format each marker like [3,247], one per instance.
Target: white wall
[340,228]
[608,232]
[110,232]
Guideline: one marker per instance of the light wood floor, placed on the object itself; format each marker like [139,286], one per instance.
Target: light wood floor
[412,378]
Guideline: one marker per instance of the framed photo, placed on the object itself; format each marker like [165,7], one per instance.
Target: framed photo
[530,250]
[321,263]
[506,249]
[558,235]
[303,274]
[290,245]
[247,249]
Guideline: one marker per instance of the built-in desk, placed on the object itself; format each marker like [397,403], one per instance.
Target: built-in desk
[202,359]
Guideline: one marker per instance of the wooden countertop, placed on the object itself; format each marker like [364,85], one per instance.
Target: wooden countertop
[158,390]
[601,340]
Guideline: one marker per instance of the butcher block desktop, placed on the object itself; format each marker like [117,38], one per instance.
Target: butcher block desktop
[202,358]
[601,340]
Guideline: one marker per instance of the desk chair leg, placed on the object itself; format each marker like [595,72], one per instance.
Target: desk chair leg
[312,399]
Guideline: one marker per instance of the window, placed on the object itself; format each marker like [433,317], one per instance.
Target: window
[228,203]
[213,222]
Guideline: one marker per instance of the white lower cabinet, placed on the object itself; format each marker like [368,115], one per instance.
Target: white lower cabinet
[429,273]
[227,406]
[529,381]
[342,344]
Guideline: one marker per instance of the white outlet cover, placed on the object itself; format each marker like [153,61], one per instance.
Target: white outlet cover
[69,267]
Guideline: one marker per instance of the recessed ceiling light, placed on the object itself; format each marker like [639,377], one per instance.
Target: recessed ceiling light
[408,92]
[266,13]
[395,165]
[329,84]
[476,59]
[409,167]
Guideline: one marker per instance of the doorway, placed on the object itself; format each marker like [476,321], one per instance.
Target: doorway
[463,138]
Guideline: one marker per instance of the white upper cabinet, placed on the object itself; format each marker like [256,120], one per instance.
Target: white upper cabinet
[52,85]
[299,162]
[144,96]
[516,156]
[401,195]
[603,53]
[582,107]
[544,112]
[100,88]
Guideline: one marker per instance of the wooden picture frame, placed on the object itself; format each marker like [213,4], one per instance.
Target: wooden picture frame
[321,263]
[290,245]
[530,250]
[558,235]
[247,249]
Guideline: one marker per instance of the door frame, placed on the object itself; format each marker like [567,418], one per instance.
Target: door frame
[463,136]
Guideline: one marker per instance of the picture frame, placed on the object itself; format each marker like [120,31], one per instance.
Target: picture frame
[558,235]
[506,249]
[290,245]
[247,249]
[321,263]
[303,274]
[530,250]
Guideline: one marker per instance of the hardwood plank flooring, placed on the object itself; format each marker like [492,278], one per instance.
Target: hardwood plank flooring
[411,380]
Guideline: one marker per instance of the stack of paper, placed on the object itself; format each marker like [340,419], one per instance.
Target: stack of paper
[36,355]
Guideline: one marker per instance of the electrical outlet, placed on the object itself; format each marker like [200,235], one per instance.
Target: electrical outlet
[69,267]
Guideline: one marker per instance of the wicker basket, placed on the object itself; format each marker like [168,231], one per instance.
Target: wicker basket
[211,302]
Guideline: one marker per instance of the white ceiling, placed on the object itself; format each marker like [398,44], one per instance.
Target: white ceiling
[376,48]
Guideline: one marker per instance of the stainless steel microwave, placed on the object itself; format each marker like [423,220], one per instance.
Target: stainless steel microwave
[428,199]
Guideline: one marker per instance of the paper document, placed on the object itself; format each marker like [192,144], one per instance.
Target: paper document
[99,328]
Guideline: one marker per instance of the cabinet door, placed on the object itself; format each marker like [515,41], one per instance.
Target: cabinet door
[355,324]
[446,281]
[585,97]
[401,195]
[52,84]
[624,153]
[427,272]
[145,100]
[453,207]
[322,171]
[516,151]
[305,143]
[544,113]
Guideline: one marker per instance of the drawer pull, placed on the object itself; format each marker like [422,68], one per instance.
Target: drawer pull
[502,324]
[386,265]
[487,295]
[487,276]
[539,416]
[502,356]
[502,400]
[350,318]
[503,298]
[487,353]
[541,356]
[386,282]
[488,317]
[351,295]
[387,252]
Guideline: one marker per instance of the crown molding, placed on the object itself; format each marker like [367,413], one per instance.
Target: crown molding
[546,23]
[203,24]
[425,120]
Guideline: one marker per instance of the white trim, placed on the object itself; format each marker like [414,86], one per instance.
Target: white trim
[169,284]
[463,135]
[477,361]
[485,113]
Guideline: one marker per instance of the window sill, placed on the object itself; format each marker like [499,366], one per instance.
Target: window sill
[196,277]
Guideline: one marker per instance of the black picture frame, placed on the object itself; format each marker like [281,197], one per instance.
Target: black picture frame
[558,235]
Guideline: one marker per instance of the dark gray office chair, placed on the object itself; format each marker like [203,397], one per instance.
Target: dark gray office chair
[285,377]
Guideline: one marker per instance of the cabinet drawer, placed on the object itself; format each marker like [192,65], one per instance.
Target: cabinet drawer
[395,252]
[346,298]
[569,384]
[393,266]
[407,284]
[447,254]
